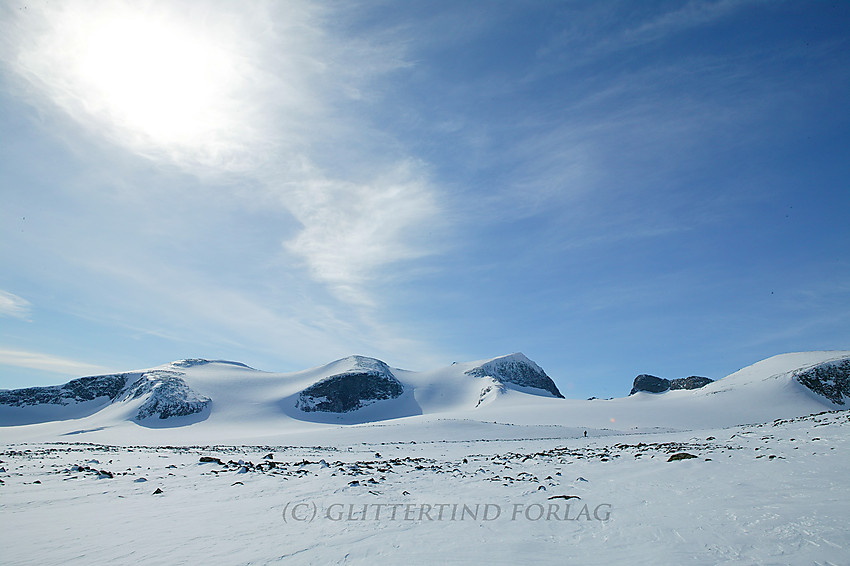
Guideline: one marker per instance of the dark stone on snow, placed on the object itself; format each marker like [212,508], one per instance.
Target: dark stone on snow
[681,456]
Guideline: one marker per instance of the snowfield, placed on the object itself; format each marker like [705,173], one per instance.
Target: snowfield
[750,469]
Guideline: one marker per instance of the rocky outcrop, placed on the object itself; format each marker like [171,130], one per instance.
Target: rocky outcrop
[368,380]
[653,384]
[516,369]
[75,391]
[830,380]
[169,396]
[650,383]
[681,456]
[692,382]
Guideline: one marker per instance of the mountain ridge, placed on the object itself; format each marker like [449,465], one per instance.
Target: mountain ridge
[217,399]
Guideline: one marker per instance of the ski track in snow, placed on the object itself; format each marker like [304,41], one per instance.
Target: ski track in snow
[772,493]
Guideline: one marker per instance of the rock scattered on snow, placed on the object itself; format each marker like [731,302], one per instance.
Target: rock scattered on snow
[681,456]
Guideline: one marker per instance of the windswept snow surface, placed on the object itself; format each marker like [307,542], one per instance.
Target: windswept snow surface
[774,493]
[457,478]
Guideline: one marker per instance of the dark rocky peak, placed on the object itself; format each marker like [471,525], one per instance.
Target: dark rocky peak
[650,384]
[653,384]
[516,369]
[358,381]
[168,395]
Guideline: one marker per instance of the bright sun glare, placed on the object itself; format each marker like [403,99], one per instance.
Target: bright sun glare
[154,78]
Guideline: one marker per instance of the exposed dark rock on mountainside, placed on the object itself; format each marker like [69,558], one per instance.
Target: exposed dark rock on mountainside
[518,370]
[692,382]
[75,391]
[170,396]
[652,384]
[830,380]
[368,381]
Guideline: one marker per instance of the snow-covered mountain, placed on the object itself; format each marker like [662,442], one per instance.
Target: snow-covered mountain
[218,400]
[363,382]
[355,460]
[351,390]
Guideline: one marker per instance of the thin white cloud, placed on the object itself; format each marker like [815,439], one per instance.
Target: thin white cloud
[351,230]
[14,306]
[599,29]
[273,96]
[47,362]
[692,14]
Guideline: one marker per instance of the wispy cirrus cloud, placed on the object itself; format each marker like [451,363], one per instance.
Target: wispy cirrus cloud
[268,97]
[47,362]
[14,306]
[350,230]
[690,15]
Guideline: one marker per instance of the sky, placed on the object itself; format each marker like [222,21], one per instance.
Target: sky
[611,188]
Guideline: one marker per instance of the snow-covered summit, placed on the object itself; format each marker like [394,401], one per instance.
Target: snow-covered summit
[165,394]
[195,362]
[824,375]
[355,382]
[155,393]
[516,369]
[356,363]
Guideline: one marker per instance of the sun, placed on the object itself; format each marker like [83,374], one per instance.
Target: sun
[145,75]
[154,78]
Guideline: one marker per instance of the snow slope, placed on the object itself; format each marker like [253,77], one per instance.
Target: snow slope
[773,493]
[217,401]
[472,470]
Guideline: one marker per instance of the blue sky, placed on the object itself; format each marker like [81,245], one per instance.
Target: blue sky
[612,188]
